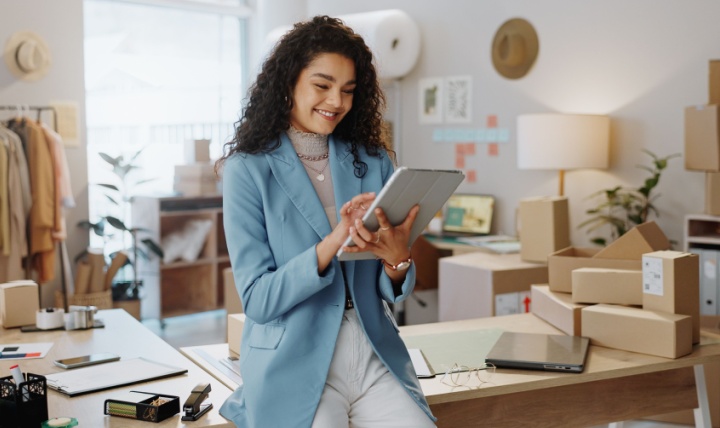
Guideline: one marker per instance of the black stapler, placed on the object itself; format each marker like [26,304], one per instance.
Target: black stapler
[194,407]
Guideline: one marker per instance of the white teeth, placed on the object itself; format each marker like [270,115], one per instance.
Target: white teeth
[326,113]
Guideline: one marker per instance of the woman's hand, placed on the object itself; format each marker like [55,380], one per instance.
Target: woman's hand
[351,212]
[388,243]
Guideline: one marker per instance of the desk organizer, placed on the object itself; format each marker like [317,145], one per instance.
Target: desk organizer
[141,406]
[23,412]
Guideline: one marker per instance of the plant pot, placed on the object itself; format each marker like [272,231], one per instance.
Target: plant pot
[126,290]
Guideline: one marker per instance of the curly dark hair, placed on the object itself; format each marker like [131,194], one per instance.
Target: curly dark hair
[267,114]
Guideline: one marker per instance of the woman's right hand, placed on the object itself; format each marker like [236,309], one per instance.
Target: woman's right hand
[353,209]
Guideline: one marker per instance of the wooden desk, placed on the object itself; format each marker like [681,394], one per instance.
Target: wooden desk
[615,386]
[124,336]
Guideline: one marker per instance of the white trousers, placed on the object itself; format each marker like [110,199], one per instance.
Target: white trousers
[360,392]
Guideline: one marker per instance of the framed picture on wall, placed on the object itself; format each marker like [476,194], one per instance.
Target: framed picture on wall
[458,99]
[431,100]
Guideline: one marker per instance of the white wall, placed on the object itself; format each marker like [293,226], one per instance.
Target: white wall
[640,62]
[60,24]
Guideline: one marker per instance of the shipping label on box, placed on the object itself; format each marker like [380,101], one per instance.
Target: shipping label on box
[512,303]
[671,283]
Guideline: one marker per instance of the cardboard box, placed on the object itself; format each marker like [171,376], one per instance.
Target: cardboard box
[712,193]
[557,309]
[702,139]
[641,239]
[638,330]
[714,81]
[233,305]
[19,303]
[204,171]
[563,262]
[671,283]
[709,324]
[196,187]
[235,325]
[614,286]
[544,227]
[469,284]
[197,151]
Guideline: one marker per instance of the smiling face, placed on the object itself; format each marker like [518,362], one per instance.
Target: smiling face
[323,94]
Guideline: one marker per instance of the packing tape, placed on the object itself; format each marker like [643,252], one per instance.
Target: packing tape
[49,318]
[60,423]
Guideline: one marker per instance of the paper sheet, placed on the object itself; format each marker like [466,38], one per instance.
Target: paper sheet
[24,351]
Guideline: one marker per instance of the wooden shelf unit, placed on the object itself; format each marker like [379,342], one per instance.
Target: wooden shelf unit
[181,287]
[702,231]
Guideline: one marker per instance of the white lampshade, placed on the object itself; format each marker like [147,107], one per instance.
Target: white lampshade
[562,141]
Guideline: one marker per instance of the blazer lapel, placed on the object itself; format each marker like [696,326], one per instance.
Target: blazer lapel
[292,177]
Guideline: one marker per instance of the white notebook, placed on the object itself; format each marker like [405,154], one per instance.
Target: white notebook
[109,375]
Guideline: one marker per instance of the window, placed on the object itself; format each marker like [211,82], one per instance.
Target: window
[155,78]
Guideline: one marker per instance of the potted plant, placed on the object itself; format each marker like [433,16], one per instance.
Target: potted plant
[622,208]
[120,195]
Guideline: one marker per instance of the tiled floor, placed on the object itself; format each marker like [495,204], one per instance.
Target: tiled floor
[209,328]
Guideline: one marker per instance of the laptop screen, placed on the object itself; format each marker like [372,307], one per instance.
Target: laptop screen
[467,213]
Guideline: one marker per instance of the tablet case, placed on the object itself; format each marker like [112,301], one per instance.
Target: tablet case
[430,188]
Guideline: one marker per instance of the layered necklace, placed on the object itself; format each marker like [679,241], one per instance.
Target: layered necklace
[314,144]
[320,173]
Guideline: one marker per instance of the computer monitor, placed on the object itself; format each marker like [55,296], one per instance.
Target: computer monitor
[468,214]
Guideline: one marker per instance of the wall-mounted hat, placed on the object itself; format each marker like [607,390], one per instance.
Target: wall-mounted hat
[514,48]
[27,55]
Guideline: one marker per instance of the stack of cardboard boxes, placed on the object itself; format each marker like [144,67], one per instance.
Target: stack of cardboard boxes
[635,294]
[197,177]
[702,140]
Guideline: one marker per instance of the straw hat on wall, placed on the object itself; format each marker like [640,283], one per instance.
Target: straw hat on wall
[514,48]
[27,56]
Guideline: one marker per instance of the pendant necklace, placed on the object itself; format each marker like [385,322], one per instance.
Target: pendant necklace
[320,176]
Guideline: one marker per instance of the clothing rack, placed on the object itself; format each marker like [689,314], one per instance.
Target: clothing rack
[62,247]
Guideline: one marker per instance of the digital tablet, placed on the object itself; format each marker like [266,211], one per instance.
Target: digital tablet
[430,188]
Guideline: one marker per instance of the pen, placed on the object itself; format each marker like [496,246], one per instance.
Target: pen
[18,378]
[25,355]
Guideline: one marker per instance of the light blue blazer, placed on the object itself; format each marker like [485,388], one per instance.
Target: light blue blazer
[273,219]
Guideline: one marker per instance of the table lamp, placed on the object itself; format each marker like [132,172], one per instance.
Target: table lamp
[562,142]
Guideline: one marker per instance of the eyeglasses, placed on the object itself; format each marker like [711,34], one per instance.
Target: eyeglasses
[460,375]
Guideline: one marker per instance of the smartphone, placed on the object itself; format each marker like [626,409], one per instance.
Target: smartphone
[86,360]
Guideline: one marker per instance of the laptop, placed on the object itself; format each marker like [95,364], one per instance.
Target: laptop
[467,215]
[549,352]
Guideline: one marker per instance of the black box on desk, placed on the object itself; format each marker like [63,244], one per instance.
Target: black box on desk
[17,411]
[144,406]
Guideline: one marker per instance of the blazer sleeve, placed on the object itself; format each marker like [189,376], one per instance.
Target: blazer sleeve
[267,290]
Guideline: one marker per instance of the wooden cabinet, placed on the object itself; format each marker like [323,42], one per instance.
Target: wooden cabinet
[181,287]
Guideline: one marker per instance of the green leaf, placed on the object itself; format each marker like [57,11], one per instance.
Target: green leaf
[108,186]
[154,247]
[109,159]
[116,223]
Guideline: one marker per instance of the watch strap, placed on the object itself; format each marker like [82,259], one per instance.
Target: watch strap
[395,267]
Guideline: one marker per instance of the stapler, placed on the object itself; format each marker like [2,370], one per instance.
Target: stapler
[194,407]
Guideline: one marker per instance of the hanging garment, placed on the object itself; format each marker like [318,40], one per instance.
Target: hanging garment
[11,264]
[63,188]
[42,182]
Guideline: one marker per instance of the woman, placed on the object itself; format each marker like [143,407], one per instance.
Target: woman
[320,348]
